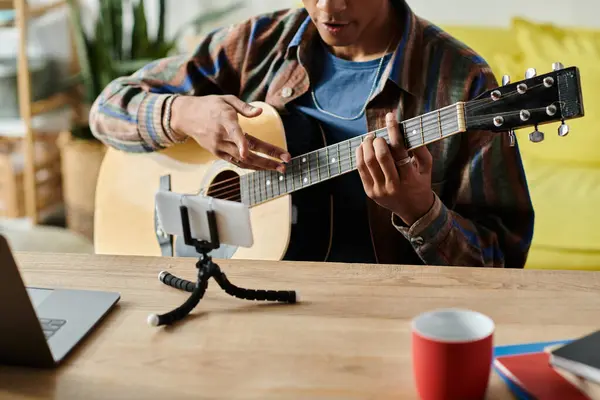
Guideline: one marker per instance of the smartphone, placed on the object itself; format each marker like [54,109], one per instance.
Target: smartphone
[233,218]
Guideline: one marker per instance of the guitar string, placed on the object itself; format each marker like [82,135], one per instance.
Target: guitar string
[300,174]
[451,109]
[430,130]
[471,104]
[304,173]
[428,126]
[507,113]
[264,194]
[307,173]
[488,100]
[503,96]
[234,192]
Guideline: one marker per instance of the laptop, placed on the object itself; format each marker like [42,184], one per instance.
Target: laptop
[40,326]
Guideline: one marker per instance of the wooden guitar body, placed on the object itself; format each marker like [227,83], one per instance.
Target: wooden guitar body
[127,184]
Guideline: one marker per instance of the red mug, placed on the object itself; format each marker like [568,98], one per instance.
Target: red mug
[452,354]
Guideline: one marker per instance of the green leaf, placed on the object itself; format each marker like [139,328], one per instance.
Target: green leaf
[103,57]
[162,16]
[139,36]
[105,16]
[117,26]
[93,81]
[160,50]
[81,44]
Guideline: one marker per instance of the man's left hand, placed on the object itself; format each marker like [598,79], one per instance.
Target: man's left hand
[394,179]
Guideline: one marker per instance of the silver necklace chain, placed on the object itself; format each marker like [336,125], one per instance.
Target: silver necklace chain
[314,97]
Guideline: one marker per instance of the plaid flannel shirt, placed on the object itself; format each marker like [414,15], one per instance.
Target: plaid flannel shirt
[482,215]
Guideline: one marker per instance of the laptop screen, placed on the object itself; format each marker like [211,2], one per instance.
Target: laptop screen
[37,296]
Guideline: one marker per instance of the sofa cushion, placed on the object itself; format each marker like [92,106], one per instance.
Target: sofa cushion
[565,200]
[541,45]
[488,42]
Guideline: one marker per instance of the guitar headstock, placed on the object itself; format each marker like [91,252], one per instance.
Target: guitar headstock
[536,100]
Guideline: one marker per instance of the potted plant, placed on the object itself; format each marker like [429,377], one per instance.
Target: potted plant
[103,57]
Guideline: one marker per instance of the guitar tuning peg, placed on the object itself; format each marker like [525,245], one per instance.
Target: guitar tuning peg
[536,136]
[557,66]
[530,73]
[505,80]
[511,138]
[563,129]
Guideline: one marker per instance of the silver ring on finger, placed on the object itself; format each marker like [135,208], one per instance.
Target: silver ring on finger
[406,160]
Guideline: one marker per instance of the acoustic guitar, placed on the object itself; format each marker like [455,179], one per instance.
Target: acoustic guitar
[294,205]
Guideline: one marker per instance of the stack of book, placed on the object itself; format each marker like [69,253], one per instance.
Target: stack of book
[568,369]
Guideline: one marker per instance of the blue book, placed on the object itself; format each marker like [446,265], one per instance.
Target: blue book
[522,348]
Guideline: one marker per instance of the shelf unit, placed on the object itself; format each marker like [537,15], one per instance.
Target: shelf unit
[33,11]
[65,99]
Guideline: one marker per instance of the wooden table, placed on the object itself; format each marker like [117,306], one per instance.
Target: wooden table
[347,339]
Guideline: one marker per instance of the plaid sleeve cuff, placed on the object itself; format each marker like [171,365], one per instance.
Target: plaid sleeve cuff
[154,117]
[429,230]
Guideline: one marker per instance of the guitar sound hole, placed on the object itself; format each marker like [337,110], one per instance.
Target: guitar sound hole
[226,186]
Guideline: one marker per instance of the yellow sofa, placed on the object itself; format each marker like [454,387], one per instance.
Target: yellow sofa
[563,173]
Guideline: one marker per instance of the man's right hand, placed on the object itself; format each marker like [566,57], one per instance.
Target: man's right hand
[212,121]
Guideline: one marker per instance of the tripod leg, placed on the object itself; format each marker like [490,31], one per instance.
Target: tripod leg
[282,296]
[178,283]
[182,311]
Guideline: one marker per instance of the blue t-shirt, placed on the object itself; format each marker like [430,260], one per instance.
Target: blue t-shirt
[342,87]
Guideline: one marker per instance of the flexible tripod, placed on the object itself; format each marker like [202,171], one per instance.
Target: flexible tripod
[208,269]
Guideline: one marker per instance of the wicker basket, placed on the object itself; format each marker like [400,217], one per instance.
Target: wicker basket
[81,160]
[12,177]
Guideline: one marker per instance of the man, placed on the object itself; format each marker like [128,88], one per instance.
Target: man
[354,66]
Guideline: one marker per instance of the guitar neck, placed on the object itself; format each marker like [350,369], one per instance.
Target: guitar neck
[337,159]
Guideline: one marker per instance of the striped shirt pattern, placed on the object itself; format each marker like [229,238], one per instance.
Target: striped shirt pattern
[482,215]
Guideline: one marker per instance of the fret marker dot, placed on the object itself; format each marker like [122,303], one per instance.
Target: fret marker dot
[281,178]
[303,159]
[268,182]
[414,131]
[333,160]
[305,180]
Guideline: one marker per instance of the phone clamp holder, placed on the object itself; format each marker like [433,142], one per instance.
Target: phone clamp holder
[208,269]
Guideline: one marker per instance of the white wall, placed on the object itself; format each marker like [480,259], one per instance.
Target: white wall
[473,12]
[51,33]
[499,13]
[478,12]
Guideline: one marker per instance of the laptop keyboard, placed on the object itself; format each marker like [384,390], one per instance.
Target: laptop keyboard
[51,326]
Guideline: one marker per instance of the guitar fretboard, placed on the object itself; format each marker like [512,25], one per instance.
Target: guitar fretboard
[337,159]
